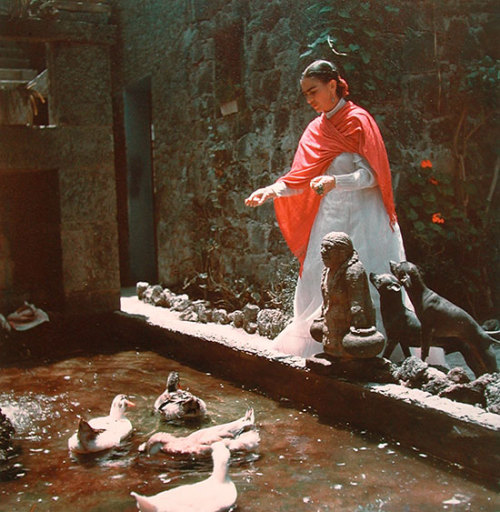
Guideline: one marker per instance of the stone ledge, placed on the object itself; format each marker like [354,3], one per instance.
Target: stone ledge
[455,432]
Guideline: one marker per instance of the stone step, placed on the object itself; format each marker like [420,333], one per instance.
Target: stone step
[12,84]
[17,74]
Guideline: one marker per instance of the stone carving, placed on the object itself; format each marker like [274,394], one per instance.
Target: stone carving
[401,324]
[347,323]
[440,318]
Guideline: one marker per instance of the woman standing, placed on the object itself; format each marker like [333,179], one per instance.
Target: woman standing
[340,180]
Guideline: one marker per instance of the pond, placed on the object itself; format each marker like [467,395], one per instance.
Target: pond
[301,464]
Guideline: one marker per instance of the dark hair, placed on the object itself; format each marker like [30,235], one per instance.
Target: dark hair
[325,71]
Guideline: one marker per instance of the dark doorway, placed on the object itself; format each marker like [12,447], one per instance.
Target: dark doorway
[30,240]
[140,197]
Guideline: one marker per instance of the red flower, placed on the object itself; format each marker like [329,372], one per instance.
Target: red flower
[426,164]
[437,218]
[433,180]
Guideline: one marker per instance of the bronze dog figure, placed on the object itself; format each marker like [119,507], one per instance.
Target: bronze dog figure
[401,324]
[440,318]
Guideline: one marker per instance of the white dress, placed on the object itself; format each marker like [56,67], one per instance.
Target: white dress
[355,207]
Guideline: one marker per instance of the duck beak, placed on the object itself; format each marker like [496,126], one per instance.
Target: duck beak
[129,403]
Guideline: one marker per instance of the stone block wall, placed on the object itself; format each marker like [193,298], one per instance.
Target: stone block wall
[206,163]
[77,149]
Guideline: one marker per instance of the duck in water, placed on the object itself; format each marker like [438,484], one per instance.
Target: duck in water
[104,432]
[240,435]
[175,403]
[215,494]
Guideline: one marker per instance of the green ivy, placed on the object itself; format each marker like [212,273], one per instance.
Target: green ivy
[448,226]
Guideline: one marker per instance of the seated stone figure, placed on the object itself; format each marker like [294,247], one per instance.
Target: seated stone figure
[347,323]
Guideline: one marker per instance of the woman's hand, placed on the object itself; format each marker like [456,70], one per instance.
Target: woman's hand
[322,184]
[260,196]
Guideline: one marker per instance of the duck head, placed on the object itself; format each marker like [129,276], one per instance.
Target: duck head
[172,382]
[156,442]
[119,406]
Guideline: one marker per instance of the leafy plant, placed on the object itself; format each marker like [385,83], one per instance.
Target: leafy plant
[447,239]
[446,106]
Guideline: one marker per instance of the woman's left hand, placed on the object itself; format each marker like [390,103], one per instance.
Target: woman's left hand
[322,184]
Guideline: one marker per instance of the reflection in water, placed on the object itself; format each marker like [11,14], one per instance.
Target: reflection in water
[301,465]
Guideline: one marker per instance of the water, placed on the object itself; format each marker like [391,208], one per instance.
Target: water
[301,465]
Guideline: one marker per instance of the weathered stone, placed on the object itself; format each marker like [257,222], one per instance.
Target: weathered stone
[203,310]
[346,325]
[180,302]
[152,294]
[250,327]
[141,288]
[411,371]
[363,342]
[220,316]
[437,381]
[92,103]
[458,375]
[165,299]
[189,314]
[250,312]
[7,449]
[270,322]
[492,395]
[466,393]
[374,369]
[237,318]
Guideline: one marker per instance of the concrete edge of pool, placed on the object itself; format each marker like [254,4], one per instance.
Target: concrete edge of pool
[455,432]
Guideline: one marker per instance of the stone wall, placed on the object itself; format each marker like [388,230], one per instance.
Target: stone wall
[203,54]
[81,267]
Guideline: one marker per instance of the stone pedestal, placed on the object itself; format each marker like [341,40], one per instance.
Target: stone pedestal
[372,369]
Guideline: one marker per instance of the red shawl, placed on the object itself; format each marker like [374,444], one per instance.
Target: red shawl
[351,129]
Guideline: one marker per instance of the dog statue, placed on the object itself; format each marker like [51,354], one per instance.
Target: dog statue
[442,319]
[401,324]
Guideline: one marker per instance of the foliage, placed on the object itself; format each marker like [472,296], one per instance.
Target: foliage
[446,208]
[447,239]
[357,32]
[211,281]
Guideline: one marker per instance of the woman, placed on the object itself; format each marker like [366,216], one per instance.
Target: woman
[339,181]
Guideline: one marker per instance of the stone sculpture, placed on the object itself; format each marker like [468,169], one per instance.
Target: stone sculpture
[440,318]
[347,323]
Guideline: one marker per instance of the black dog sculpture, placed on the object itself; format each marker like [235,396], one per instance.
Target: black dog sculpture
[442,319]
[401,324]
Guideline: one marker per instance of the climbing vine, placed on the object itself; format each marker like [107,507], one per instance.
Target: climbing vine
[427,73]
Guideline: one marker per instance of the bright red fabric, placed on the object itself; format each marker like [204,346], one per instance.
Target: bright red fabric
[352,129]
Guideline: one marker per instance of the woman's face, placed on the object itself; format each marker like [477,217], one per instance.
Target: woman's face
[321,96]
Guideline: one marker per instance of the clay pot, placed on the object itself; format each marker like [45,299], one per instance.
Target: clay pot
[363,343]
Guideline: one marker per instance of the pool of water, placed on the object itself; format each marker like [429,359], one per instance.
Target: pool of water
[301,465]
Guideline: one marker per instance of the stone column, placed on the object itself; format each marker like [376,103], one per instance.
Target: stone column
[80,106]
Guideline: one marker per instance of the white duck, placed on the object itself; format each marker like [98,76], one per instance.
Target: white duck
[104,432]
[175,403]
[215,494]
[240,434]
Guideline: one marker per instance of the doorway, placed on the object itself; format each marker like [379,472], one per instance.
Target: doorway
[140,194]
